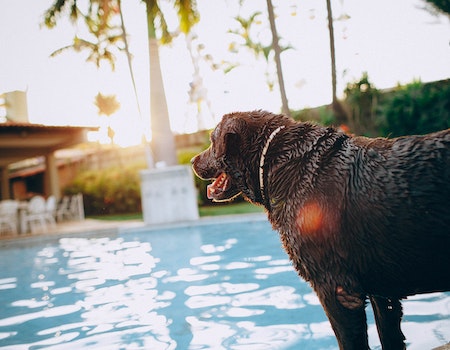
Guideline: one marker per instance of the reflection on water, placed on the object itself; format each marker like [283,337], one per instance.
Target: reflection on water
[207,287]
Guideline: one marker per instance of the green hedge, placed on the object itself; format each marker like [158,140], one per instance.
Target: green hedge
[109,191]
[415,108]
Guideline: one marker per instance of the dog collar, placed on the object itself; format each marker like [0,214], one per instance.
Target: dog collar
[263,158]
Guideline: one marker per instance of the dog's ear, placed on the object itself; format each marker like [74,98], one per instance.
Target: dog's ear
[227,144]
[232,144]
[229,141]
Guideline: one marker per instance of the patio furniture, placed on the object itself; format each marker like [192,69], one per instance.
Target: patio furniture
[62,210]
[50,206]
[77,206]
[8,216]
[70,208]
[37,216]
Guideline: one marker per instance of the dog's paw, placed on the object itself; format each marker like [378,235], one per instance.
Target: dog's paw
[350,301]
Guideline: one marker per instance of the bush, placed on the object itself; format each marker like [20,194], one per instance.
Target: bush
[416,108]
[322,115]
[109,191]
[361,99]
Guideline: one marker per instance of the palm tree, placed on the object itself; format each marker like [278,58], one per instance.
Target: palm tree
[332,50]
[277,51]
[244,32]
[338,110]
[162,137]
[100,12]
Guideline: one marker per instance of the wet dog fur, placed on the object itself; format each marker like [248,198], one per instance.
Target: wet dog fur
[360,218]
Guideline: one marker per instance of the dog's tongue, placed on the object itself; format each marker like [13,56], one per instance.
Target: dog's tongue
[219,185]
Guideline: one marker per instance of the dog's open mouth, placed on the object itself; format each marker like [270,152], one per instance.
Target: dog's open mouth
[221,189]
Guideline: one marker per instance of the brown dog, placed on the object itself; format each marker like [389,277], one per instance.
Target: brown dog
[358,217]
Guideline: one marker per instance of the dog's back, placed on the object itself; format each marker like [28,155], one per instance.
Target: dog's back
[400,202]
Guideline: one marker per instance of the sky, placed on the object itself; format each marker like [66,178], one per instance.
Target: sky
[394,41]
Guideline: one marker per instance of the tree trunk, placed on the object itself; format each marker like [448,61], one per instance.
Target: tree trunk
[163,141]
[277,51]
[338,110]
[332,50]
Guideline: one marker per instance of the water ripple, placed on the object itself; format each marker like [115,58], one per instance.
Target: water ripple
[220,287]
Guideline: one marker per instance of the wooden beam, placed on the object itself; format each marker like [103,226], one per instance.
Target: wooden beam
[5,183]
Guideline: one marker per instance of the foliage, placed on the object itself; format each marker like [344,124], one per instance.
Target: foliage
[104,35]
[187,13]
[361,97]
[416,108]
[101,19]
[244,32]
[250,39]
[441,6]
[106,104]
[322,115]
[109,191]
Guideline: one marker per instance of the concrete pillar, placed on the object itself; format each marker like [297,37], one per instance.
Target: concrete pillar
[5,182]
[168,195]
[51,176]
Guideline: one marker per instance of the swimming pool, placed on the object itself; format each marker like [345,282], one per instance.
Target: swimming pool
[222,285]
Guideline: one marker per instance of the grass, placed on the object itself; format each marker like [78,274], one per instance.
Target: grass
[229,208]
[117,217]
[210,210]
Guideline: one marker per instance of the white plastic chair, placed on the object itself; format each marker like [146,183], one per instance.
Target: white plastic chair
[8,216]
[63,210]
[37,215]
[77,207]
[71,208]
[50,206]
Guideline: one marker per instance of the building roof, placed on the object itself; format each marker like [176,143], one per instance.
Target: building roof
[19,141]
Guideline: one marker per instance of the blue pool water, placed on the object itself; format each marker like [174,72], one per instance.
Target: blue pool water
[215,286]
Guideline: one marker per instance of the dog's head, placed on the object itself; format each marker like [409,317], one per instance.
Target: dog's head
[233,159]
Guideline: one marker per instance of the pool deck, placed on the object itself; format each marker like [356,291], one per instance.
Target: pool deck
[96,227]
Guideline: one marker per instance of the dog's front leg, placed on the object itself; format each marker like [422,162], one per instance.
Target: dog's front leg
[388,315]
[347,316]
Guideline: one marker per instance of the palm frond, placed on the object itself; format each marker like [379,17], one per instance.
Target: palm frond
[187,14]
[54,11]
